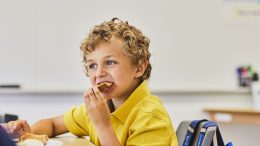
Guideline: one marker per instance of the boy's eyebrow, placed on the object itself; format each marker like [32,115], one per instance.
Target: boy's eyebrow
[89,60]
[92,60]
[108,56]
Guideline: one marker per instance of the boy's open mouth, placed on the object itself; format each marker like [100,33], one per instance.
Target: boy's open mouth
[102,86]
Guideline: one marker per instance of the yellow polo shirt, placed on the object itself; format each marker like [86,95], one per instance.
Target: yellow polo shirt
[140,120]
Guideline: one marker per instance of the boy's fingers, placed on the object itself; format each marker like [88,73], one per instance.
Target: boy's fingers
[86,97]
[98,94]
[19,133]
[16,125]
[92,96]
[26,126]
[87,100]
[10,127]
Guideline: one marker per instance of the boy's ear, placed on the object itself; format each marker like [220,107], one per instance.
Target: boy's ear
[141,67]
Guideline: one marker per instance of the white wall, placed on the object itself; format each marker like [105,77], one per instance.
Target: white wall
[180,107]
[194,44]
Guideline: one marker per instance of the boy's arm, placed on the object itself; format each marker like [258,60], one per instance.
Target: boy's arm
[52,126]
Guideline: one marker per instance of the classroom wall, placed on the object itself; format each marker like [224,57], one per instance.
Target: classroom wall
[194,44]
[33,107]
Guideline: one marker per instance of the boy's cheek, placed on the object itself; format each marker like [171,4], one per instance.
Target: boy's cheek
[92,81]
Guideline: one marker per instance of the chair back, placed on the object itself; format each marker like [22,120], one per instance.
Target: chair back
[199,133]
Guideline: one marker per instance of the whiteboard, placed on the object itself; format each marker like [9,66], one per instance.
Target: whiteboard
[194,44]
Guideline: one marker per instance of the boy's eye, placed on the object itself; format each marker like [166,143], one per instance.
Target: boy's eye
[110,62]
[92,66]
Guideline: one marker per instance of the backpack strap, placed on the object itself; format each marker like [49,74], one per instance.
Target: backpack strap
[189,138]
[203,130]
[229,144]
[218,140]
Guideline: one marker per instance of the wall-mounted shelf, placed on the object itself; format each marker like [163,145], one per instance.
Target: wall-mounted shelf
[238,116]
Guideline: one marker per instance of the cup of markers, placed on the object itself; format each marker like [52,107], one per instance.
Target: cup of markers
[246,75]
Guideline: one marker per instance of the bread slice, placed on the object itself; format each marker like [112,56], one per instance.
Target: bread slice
[103,86]
[42,138]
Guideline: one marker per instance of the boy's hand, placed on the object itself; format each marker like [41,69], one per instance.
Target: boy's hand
[97,108]
[16,128]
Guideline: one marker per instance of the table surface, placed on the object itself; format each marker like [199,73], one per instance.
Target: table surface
[240,115]
[73,141]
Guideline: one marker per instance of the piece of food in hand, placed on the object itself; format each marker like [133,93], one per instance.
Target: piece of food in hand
[103,86]
[42,138]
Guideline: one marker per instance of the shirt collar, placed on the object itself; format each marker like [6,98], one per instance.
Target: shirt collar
[139,93]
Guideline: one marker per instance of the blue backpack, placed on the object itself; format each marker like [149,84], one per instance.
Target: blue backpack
[203,133]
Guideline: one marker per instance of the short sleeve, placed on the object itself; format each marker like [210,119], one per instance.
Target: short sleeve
[149,130]
[76,121]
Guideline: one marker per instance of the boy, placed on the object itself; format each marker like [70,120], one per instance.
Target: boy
[116,54]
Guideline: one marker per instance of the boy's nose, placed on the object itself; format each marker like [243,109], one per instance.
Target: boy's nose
[101,71]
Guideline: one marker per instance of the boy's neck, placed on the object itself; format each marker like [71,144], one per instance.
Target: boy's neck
[119,101]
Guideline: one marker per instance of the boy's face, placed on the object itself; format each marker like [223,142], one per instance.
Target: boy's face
[108,63]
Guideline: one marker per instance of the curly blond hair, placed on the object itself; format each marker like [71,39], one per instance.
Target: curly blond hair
[135,44]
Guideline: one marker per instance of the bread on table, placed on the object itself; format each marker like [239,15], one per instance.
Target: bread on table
[42,138]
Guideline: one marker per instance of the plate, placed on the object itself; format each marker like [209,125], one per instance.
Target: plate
[30,142]
[54,142]
[33,142]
